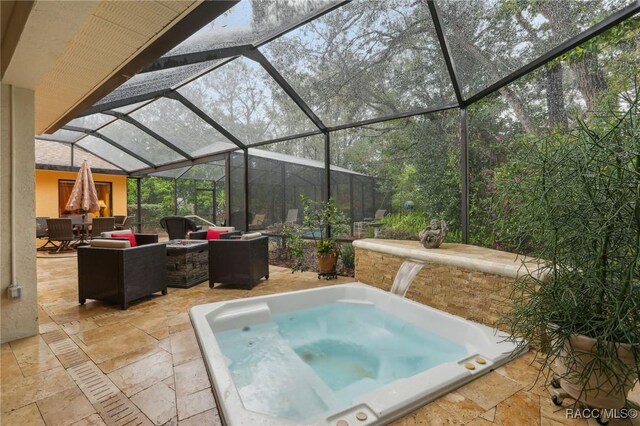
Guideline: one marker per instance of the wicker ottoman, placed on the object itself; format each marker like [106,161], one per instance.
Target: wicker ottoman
[187,262]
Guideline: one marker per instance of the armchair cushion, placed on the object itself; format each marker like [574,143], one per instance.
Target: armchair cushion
[222,228]
[215,235]
[251,236]
[109,243]
[111,233]
[126,236]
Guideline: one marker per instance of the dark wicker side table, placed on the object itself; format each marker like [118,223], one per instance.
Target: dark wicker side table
[187,262]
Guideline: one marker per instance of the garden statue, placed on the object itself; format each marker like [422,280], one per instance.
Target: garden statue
[433,235]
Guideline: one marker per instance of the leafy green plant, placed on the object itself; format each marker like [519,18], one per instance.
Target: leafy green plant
[579,197]
[323,222]
[348,255]
[295,246]
[404,223]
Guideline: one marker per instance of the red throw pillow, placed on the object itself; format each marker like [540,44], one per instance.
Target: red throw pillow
[215,235]
[129,236]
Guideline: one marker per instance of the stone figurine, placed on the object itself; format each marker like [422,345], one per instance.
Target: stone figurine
[433,235]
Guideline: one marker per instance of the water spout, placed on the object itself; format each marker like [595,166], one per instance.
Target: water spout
[405,276]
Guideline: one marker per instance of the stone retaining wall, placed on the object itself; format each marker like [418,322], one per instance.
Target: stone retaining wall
[473,295]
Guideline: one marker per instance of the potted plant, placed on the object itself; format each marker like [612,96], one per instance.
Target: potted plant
[322,223]
[579,203]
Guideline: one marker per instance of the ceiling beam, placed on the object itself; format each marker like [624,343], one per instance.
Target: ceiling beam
[446,52]
[191,58]
[210,121]
[110,142]
[148,131]
[257,56]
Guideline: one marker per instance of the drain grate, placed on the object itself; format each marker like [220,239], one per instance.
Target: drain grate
[68,353]
[47,327]
[93,382]
[53,336]
[118,410]
[112,405]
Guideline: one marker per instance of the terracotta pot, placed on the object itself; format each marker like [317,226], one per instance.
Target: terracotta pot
[327,263]
[599,392]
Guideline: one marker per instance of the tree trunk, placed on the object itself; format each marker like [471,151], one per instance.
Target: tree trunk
[591,82]
[555,97]
[519,109]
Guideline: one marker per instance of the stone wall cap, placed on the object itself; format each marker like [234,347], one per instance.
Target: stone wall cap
[464,256]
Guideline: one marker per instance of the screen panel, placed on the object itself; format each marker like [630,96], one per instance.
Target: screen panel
[365,60]
[247,102]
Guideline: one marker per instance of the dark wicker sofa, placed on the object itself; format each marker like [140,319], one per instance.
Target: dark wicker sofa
[121,275]
[238,262]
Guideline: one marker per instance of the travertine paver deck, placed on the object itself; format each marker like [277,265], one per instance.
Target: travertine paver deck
[95,364]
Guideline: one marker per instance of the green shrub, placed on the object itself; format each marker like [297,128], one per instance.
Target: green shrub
[403,226]
[397,234]
[348,256]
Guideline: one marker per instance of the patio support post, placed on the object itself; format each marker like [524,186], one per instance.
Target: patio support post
[327,172]
[227,189]
[139,202]
[215,201]
[175,197]
[351,211]
[464,174]
[246,189]
[327,167]
[283,175]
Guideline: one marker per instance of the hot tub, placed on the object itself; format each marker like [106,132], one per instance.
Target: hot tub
[346,352]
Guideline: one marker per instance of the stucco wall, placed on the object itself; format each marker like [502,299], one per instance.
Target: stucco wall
[47,191]
[18,317]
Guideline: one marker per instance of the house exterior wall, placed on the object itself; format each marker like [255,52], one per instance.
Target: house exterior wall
[47,191]
[18,317]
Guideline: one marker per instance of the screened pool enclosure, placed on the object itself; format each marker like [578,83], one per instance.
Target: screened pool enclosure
[278,98]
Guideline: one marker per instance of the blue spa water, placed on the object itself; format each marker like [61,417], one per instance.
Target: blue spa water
[308,362]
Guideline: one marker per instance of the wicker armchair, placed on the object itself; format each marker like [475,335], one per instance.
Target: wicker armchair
[60,230]
[121,275]
[238,262]
[177,226]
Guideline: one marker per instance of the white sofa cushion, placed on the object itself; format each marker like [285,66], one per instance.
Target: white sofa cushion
[251,236]
[223,228]
[110,233]
[120,243]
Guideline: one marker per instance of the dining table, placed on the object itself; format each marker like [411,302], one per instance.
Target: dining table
[83,233]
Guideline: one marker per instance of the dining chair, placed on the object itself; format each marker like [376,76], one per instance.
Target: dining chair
[60,230]
[125,223]
[102,224]
[41,233]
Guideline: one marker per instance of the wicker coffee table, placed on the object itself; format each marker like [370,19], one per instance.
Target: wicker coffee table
[187,262]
